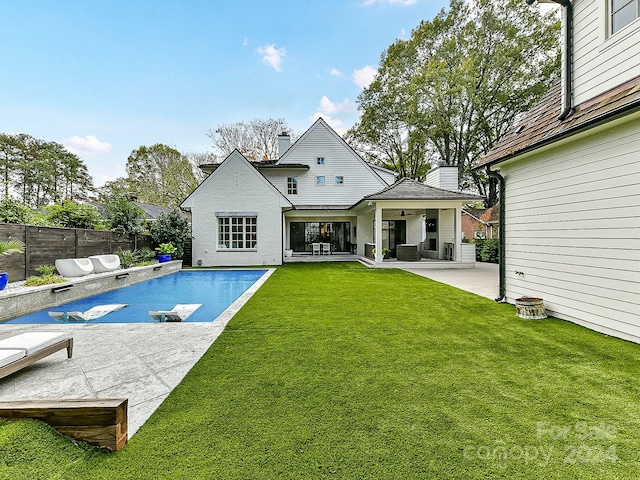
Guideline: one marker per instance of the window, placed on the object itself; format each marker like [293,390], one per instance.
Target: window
[339,180]
[292,185]
[320,180]
[319,160]
[623,12]
[238,232]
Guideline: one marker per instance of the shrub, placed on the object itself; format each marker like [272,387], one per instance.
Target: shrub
[128,258]
[172,228]
[46,270]
[490,250]
[146,254]
[479,244]
[47,277]
[37,281]
[124,215]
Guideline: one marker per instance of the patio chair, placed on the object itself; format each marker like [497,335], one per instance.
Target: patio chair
[326,249]
[24,349]
[178,313]
[91,314]
[315,248]
[105,263]
[74,267]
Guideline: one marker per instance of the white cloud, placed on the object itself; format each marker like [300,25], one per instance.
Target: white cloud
[328,111]
[245,42]
[330,108]
[335,123]
[364,76]
[366,3]
[335,72]
[88,145]
[273,56]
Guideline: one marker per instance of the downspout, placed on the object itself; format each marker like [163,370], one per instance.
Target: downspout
[502,294]
[568,49]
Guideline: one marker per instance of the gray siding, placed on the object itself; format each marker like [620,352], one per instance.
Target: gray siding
[340,160]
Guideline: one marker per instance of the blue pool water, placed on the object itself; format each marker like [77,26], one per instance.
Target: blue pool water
[214,289]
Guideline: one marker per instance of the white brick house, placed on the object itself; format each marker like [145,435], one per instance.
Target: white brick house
[319,191]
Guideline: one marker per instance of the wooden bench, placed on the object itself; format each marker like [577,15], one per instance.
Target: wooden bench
[96,421]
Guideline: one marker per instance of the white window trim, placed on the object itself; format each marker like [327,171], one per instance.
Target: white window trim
[335,180]
[610,19]
[223,247]
[320,161]
[295,183]
[324,180]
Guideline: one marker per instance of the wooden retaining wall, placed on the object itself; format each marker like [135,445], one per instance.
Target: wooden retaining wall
[46,244]
[96,421]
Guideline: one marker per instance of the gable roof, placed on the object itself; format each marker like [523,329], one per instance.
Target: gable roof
[409,189]
[320,123]
[540,126]
[187,202]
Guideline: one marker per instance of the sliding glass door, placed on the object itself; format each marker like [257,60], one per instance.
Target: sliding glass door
[304,234]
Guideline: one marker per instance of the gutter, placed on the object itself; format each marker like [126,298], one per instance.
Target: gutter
[579,128]
[502,294]
[568,49]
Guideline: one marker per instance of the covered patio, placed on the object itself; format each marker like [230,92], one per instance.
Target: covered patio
[416,224]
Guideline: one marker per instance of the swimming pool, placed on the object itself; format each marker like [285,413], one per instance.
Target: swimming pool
[216,290]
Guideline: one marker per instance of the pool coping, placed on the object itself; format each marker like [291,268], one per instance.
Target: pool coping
[232,309]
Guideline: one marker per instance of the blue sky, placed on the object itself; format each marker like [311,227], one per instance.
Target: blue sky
[105,77]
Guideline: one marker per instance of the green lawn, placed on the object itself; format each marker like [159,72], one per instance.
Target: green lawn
[338,371]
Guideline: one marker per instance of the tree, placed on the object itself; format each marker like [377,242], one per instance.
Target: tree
[257,140]
[200,158]
[456,86]
[14,211]
[42,172]
[172,228]
[73,215]
[160,175]
[124,216]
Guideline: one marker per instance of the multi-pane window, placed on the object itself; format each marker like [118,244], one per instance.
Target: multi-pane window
[320,180]
[292,185]
[623,12]
[238,232]
[339,180]
[319,160]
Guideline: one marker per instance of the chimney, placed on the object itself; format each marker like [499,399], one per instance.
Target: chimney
[284,142]
[443,176]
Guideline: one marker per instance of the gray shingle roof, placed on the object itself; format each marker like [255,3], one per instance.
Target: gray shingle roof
[409,189]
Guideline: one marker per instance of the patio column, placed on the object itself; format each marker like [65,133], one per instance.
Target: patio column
[457,226]
[378,256]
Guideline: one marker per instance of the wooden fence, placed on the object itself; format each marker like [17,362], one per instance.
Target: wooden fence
[46,244]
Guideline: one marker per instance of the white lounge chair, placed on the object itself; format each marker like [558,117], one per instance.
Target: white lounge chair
[91,314]
[180,312]
[26,348]
[74,267]
[105,263]
[326,249]
[315,248]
